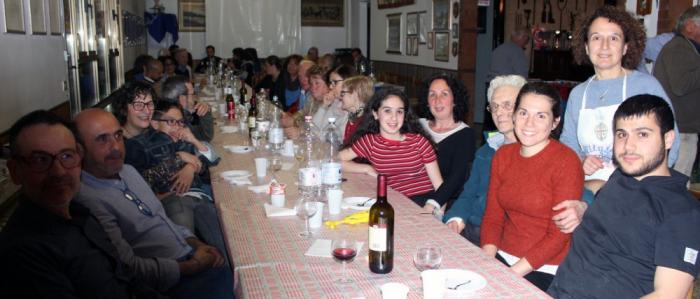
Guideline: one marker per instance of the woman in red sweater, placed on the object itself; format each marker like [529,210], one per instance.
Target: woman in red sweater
[528,179]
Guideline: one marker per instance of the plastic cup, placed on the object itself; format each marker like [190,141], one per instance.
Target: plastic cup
[223,109]
[261,167]
[317,219]
[335,197]
[277,200]
[433,284]
[394,290]
[288,148]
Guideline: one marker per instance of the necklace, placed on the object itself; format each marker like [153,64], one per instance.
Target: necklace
[602,96]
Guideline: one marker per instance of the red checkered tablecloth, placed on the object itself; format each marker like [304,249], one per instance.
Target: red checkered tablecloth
[268,254]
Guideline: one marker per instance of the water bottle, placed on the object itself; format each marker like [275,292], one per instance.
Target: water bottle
[276,134]
[331,171]
[310,168]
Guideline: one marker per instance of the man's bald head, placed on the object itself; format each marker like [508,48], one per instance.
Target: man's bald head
[99,133]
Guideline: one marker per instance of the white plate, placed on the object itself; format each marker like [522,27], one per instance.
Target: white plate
[232,174]
[455,277]
[355,203]
[238,149]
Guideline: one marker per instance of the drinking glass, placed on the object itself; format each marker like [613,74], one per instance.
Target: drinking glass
[344,251]
[305,209]
[427,257]
[255,138]
[275,165]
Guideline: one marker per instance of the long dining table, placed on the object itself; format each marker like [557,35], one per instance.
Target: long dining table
[268,255]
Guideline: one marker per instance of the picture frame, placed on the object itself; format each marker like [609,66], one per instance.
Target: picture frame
[442,46]
[412,23]
[430,40]
[644,7]
[55,17]
[14,16]
[191,15]
[415,45]
[322,13]
[382,4]
[393,33]
[441,15]
[422,28]
[412,45]
[37,17]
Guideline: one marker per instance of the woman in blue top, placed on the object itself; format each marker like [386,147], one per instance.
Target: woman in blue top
[465,214]
[612,41]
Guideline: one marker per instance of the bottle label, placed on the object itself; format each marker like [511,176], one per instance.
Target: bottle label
[276,135]
[251,122]
[332,173]
[377,238]
[309,177]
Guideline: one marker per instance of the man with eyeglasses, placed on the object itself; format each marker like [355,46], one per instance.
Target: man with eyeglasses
[52,247]
[163,254]
[197,114]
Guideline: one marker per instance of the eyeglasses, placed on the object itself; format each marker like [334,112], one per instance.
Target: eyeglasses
[493,107]
[344,92]
[42,161]
[335,82]
[138,106]
[139,204]
[172,122]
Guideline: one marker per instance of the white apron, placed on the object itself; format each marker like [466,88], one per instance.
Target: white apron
[595,134]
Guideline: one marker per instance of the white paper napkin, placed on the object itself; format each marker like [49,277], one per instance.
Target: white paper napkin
[322,248]
[239,181]
[272,211]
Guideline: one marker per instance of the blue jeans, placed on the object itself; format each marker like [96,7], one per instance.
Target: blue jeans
[199,216]
[212,283]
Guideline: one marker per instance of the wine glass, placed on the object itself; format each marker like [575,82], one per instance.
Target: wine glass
[275,165]
[427,257]
[344,251]
[305,209]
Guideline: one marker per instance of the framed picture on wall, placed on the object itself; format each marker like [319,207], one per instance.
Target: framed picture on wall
[328,13]
[14,16]
[430,41]
[191,15]
[643,7]
[442,46]
[36,10]
[441,15]
[382,4]
[415,45]
[393,33]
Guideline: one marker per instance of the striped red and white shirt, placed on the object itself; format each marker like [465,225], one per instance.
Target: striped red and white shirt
[403,162]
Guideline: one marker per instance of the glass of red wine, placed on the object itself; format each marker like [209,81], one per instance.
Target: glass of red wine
[344,251]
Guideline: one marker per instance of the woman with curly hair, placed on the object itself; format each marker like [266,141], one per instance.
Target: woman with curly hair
[444,101]
[395,145]
[612,41]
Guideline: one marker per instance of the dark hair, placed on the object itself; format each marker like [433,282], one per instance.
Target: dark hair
[210,47]
[274,60]
[173,48]
[370,125]
[294,57]
[358,50]
[131,91]
[140,62]
[646,104]
[552,95]
[252,53]
[344,71]
[633,32]
[460,96]
[162,106]
[238,52]
[174,87]
[37,117]
[163,59]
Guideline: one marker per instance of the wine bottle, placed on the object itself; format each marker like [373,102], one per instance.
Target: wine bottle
[381,231]
[230,104]
[252,115]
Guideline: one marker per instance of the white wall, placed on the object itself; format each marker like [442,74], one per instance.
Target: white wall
[650,21]
[378,37]
[32,72]
[326,39]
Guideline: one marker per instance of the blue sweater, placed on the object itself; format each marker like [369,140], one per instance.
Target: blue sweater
[471,203]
